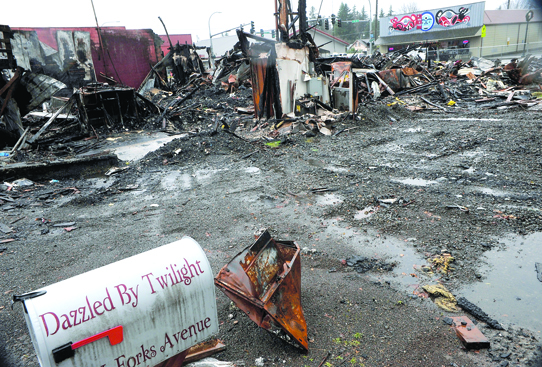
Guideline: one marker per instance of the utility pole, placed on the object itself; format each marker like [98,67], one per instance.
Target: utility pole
[99,37]
[370,30]
[376,21]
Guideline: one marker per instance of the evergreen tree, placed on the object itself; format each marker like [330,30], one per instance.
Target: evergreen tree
[363,15]
[390,12]
[364,30]
[344,14]
[312,13]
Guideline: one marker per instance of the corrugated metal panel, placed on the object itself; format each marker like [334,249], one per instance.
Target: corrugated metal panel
[510,16]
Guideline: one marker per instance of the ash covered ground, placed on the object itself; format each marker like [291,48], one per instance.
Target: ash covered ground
[389,182]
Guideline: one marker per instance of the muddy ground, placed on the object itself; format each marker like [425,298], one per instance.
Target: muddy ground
[391,183]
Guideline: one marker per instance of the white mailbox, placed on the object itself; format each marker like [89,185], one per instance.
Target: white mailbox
[139,311]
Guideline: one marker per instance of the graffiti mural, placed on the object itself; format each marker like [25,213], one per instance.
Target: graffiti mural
[425,21]
[449,18]
[406,23]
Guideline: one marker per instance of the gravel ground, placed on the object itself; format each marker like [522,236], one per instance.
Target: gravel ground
[423,182]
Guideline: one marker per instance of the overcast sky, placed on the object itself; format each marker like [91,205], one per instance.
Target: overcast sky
[180,17]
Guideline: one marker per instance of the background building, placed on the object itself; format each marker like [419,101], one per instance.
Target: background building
[456,31]
[329,43]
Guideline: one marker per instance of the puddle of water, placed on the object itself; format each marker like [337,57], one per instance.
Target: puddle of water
[336,169]
[395,250]
[413,130]
[415,181]
[329,199]
[252,170]
[365,213]
[144,144]
[492,192]
[177,180]
[460,119]
[320,164]
[510,291]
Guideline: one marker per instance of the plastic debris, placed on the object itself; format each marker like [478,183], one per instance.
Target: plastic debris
[442,297]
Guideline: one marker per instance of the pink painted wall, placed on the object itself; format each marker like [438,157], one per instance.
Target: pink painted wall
[131,50]
[181,38]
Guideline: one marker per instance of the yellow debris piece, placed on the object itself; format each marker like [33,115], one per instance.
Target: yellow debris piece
[442,262]
[442,297]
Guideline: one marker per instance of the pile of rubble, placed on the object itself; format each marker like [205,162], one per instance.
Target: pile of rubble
[271,89]
[446,86]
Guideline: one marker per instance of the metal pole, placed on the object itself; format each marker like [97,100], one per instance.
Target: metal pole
[210,36]
[525,40]
[99,37]
[376,20]
[370,29]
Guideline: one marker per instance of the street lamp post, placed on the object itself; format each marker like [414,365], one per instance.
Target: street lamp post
[210,36]
[370,29]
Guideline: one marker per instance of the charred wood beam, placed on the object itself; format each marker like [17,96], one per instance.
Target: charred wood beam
[434,104]
[292,19]
[302,11]
[10,86]
[292,23]
[177,102]
[67,107]
[167,34]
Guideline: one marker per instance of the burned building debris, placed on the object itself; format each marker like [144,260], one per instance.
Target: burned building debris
[264,281]
[290,88]
[263,98]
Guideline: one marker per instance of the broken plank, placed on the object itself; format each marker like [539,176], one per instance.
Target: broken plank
[44,127]
[469,334]
[434,104]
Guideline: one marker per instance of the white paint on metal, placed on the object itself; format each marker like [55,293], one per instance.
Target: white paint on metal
[293,67]
[164,299]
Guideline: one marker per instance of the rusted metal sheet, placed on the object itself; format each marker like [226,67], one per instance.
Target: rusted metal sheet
[410,71]
[394,78]
[531,78]
[469,334]
[264,280]
[265,90]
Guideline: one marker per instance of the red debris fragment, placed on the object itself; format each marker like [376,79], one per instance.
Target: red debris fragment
[469,334]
